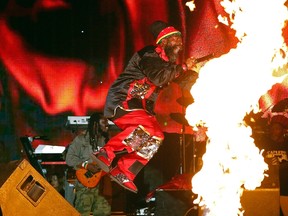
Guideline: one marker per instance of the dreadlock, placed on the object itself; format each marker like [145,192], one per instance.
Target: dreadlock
[94,129]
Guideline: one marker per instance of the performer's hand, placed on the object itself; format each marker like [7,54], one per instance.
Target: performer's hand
[93,167]
[191,63]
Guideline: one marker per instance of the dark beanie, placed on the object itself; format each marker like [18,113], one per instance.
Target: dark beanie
[280,119]
[160,30]
[156,27]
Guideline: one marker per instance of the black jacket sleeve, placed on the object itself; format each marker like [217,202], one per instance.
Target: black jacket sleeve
[158,71]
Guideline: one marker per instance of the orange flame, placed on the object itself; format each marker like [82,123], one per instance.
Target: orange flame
[228,87]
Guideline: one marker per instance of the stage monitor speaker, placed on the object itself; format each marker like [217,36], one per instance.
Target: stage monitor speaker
[174,202]
[26,192]
[261,202]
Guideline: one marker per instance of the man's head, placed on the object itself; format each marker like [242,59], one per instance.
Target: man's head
[97,123]
[278,126]
[169,38]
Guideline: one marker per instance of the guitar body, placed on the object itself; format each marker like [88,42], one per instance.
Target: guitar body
[87,178]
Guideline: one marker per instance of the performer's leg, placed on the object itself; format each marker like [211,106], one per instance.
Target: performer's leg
[106,155]
[127,123]
[145,143]
[84,200]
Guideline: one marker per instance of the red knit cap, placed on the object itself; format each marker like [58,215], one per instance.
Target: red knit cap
[161,30]
[166,33]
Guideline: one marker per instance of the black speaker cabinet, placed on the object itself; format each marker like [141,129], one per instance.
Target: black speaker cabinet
[26,192]
[173,202]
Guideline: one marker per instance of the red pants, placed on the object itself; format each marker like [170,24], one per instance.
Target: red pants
[130,164]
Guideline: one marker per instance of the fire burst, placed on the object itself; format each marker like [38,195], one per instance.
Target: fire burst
[228,87]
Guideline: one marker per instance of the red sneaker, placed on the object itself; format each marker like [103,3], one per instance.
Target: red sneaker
[120,178]
[102,160]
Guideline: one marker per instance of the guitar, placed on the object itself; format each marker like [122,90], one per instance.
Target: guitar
[87,178]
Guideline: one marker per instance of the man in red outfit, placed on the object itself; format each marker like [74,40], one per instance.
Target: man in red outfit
[130,102]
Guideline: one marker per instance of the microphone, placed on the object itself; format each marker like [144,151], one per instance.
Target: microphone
[204,58]
[40,138]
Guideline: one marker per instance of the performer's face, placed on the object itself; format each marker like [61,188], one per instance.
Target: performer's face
[276,132]
[173,47]
[103,124]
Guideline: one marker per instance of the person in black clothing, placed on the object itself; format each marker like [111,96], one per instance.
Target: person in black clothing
[130,103]
[275,147]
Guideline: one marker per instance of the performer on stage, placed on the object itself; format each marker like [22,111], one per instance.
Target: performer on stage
[89,197]
[276,156]
[130,102]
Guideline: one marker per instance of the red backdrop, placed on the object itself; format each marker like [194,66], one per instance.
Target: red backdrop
[59,58]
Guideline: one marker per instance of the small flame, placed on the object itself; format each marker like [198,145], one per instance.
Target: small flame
[228,87]
[191,5]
